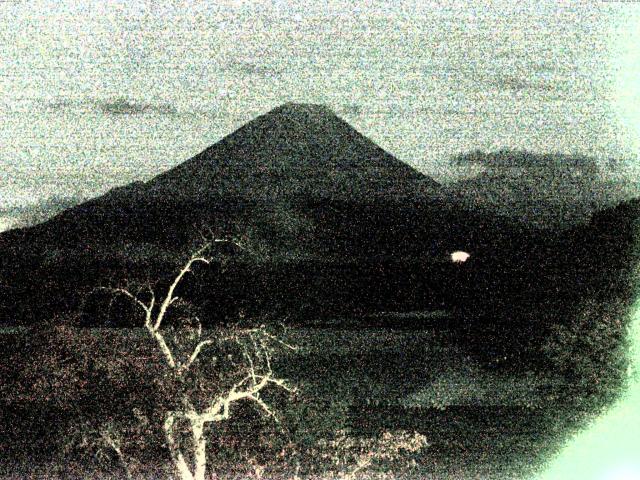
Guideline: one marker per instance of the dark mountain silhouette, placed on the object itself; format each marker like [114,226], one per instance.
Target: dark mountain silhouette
[260,180]
[334,225]
[545,190]
[297,184]
[294,150]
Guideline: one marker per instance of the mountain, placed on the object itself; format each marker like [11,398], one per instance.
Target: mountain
[295,150]
[545,190]
[333,225]
[262,180]
[297,184]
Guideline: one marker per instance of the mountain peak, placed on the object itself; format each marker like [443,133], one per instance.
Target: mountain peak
[303,108]
[295,150]
[302,115]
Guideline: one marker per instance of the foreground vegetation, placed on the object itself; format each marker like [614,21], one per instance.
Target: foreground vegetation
[355,389]
[460,390]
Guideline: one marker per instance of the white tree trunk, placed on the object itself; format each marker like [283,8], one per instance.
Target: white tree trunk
[179,462]
[200,449]
[258,376]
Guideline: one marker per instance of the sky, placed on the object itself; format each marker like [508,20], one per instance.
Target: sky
[98,94]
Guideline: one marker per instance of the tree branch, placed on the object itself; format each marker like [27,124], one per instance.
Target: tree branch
[127,293]
[169,298]
[277,340]
[194,356]
[164,347]
[115,445]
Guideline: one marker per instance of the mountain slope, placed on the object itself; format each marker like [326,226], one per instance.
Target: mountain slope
[261,180]
[297,184]
[295,149]
[545,190]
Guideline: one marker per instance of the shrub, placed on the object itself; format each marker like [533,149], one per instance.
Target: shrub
[590,349]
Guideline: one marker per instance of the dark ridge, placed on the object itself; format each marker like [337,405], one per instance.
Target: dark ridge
[336,225]
[272,177]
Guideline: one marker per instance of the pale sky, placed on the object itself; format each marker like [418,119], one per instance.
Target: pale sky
[97,94]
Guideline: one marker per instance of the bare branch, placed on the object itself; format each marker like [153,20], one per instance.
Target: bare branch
[194,355]
[280,383]
[149,312]
[252,370]
[114,444]
[280,342]
[128,294]
[264,407]
[169,298]
[164,347]
[362,464]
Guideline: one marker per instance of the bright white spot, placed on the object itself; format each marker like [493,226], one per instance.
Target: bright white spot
[459,256]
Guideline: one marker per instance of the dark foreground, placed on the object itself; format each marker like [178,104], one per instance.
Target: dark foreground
[484,416]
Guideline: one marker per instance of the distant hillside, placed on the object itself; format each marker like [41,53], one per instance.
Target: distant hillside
[545,190]
[32,214]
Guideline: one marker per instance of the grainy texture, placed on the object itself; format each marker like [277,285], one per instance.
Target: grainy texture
[322,239]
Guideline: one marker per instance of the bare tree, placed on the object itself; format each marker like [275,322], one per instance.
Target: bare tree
[171,384]
[251,373]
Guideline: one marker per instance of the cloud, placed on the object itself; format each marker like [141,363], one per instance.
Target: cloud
[522,159]
[115,106]
[352,109]
[62,104]
[254,69]
[518,84]
[123,106]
